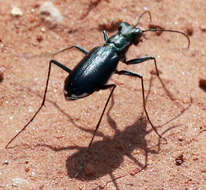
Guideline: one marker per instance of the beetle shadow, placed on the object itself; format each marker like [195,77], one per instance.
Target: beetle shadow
[106,155]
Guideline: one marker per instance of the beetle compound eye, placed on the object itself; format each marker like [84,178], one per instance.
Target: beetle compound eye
[137,33]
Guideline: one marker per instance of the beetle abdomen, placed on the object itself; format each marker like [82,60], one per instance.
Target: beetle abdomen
[93,71]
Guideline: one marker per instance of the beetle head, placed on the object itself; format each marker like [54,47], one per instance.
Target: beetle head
[130,32]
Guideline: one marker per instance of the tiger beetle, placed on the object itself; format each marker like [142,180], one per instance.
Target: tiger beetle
[97,66]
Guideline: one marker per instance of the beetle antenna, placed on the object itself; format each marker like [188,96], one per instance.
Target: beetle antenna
[175,31]
[145,12]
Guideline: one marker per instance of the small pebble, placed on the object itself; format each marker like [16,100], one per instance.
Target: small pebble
[1,76]
[203,28]
[43,29]
[16,11]
[179,160]
[50,14]
[19,181]
[39,38]
[6,162]
[31,109]
[189,31]
[27,169]
[202,84]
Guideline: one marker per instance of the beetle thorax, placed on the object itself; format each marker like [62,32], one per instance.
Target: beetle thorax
[126,36]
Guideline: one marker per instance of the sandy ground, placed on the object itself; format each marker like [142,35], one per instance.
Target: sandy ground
[49,152]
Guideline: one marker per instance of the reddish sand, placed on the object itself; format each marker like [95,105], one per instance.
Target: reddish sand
[49,152]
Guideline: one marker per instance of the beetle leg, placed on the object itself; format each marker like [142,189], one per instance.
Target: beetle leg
[112,86]
[132,74]
[44,98]
[59,65]
[143,59]
[70,47]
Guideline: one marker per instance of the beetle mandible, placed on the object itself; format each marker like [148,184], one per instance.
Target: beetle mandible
[94,70]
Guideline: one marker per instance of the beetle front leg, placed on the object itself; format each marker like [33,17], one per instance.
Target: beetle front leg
[141,60]
[112,86]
